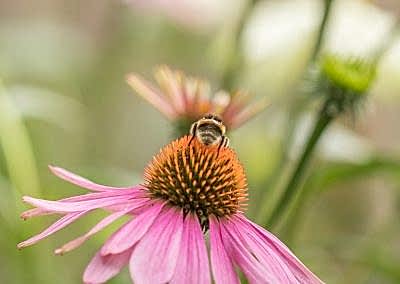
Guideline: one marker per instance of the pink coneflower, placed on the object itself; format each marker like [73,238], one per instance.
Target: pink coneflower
[192,193]
[182,98]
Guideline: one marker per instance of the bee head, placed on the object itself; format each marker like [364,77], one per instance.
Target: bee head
[213,120]
[214,117]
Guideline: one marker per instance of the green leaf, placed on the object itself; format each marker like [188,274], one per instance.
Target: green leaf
[17,148]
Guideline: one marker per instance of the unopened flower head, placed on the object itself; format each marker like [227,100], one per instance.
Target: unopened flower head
[189,188]
[185,99]
[343,81]
[352,74]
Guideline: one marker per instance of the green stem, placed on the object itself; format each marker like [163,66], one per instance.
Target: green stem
[292,187]
[274,178]
[322,28]
[294,113]
[235,60]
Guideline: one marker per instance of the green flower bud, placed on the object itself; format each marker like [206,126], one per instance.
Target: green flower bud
[350,74]
[343,81]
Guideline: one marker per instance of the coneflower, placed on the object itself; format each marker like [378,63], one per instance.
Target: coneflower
[184,99]
[192,194]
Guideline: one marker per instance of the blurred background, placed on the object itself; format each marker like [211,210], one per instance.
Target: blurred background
[64,101]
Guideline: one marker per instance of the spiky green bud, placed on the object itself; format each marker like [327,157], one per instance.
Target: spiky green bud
[344,81]
[350,74]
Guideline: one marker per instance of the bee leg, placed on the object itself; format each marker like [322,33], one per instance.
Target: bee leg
[224,143]
[193,130]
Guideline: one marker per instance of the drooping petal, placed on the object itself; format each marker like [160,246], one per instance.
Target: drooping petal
[151,94]
[101,225]
[58,225]
[67,207]
[192,266]
[34,212]
[248,263]
[221,264]
[102,268]
[90,196]
[267,256]
[299,272]
[154,258]
[81,181]
[130,233]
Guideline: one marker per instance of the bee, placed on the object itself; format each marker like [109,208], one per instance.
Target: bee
[210,130]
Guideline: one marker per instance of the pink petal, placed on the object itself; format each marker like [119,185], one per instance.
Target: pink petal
[267,256]
[154,258]
[199,99]
[297,268]
[238,100]
[102,268]
[150,94]
[248,263]
[82,182]
[66,207]
[58,225]
[221,263]
[34,212]
[101,225]
[91,196]
[219,102]
[171,83]
[246,113]
[192,265]
[129,234]
[140,205]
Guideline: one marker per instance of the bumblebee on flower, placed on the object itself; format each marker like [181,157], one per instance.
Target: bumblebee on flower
[195,184]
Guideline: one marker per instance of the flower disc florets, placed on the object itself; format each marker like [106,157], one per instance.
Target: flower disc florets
[198,178]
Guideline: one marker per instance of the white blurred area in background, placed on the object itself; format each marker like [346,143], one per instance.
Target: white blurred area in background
[199,15]
[355,27]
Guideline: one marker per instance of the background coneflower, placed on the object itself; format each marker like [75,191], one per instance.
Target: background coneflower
[184,99]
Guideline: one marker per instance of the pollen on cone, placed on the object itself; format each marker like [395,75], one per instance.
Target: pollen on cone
[206,180]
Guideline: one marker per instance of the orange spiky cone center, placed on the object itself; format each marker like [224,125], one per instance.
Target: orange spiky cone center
[197,178]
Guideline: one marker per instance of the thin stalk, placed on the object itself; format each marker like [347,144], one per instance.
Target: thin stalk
[294,113]
[235,60]
[322,28]
[272,180]
[292,186]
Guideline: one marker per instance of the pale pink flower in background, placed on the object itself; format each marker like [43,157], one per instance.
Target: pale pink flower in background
[189,189]
[199,15]
[181,97]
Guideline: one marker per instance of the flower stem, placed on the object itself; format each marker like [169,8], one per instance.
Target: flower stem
[322,28]
[235,60]
[292,187]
